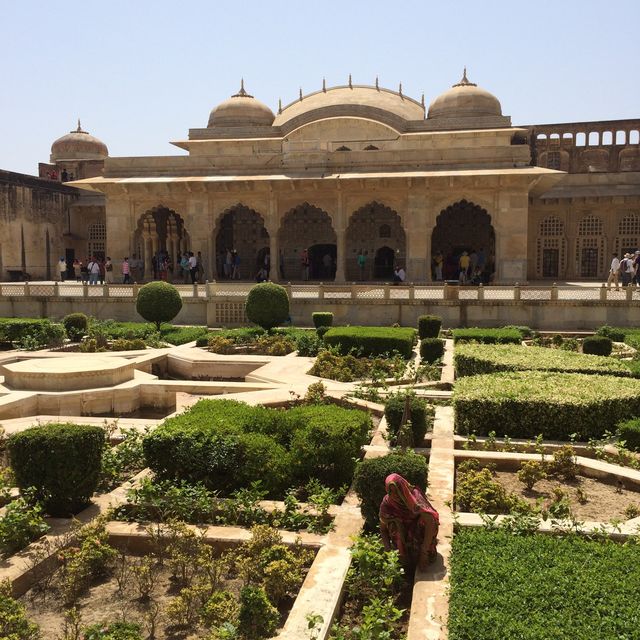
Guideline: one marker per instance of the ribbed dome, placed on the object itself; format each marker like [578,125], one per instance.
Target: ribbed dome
[78,145]
[464,100]
[241,110]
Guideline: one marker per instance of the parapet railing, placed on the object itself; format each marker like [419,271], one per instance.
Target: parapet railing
[338,293]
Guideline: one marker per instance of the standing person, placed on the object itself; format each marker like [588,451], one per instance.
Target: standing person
[629,270]
[75,269]
[93,270]
[62,269]
[267,263]
[102,270]
[614,270]
[200,267]
[304,263]
[438,261]
[163,271]
[473,263]
[84,274]
[108,270]
[193,267]
[235,271]
[228,264]
[362,262]
[281,264]
[126,271]
[463,263]
[636,266]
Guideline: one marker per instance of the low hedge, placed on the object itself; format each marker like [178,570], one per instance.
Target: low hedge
[525,404]
[597,345]
[474,359]
[372,341]
[629,431]
[431,349]
[488,336]
[421,415]
[61,461]
[429,326]
[371,473]
[322,319]
[615,334]
[227,445]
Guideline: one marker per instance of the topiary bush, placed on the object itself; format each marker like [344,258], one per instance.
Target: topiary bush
[429,326]
[431,349]
[60,461]
[322,319]
[597,345]
[629,431]
[372,341]
[158,302]
[267,305]
[421,415]
[371,473]
[76,326]
[487,336]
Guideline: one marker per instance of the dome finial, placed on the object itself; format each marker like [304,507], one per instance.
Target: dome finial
[350,83]
[241,93]
[377,84]
[400,90]
[79,129]
[300,94]
[279,106]
[422,100]
[324,85]
[464,82]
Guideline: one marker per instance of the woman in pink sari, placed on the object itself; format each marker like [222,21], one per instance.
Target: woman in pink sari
[408,522]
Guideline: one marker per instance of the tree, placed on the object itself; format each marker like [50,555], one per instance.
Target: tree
[158,302]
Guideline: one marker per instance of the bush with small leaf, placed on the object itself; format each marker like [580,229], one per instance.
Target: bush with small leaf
[597,345]
[531,472]
[158,302]
[429,326]
[76,326]
[431,349]
[267,305]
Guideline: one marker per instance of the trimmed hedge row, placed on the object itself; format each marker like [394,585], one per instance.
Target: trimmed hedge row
[488,336]
[597,345]
[525,404]
[630,432]
[474,359]
[322,319]
[372,341]
[227,445]
[429,326]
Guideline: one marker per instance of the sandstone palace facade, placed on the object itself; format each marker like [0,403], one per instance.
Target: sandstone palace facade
[343,172]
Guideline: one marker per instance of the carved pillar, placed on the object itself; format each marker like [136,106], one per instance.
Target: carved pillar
[273,225]
[340,226]
[417,238]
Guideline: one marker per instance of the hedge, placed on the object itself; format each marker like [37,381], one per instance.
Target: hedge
[429,326]
[525,404]
[61,461]
[534,587]
[371,473]
[431,349]
[227,445]
[488,336]
[372,341]
[421,415]
[322,319]
[629,431]
[615,334]
[474,359]
[597,345]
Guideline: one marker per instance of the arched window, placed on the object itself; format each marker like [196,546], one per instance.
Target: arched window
[607,137]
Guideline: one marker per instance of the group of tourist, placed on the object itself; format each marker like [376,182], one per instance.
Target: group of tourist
[467,267]
[625,271]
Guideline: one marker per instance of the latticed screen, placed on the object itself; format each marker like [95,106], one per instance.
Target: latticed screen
[590,226]
[590,247]
[552,226]
[551,244]
[97,236]
[553,160]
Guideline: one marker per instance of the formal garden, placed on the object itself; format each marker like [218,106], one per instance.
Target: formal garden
[265,504]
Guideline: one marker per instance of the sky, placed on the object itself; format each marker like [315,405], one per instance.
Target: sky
[140,73]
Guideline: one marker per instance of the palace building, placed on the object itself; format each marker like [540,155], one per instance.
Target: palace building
[343,172]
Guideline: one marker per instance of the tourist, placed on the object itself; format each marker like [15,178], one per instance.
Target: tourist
[62,269]
[627,269]
[362,262]
[228,264]
[102,270]
[164,264]
[193,267]
[108,270]
[399,275]
[408,522]
[126,271]
[482,260]
[262,275]
[438,261]
[200,267]
[614,270]
[636,266]
[93,270]
[155,265]
[76,269]
[473,263]
[84,274]
[64,175]
[304,264]
[463,263]
[235,271]
[184,268]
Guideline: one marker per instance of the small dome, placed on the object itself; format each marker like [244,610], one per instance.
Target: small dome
[78,145]
[241,110]
[465,100]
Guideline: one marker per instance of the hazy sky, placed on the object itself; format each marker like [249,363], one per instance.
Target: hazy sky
[139,73]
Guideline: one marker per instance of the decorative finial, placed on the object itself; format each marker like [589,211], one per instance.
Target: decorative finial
[377,84]
[464,82]
[400,89]
[324,85]
[422,100]
[350,84]
[301,94]
[279,106]
[79,126]
[242,93]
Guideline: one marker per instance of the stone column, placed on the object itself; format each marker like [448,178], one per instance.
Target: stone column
[340,227]
[417,238]
[272,223]
[118,228]
[510,225]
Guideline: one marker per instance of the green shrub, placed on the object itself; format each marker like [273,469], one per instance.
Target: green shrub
[257,617]
[368,341]
[158,302]
[597,345]
[478,492]
[60,461]
[309,343]
[421,415]
[76,326]
[202,341]
[267,305]
[122,344]
[429,326]
[615,334]
[474,359]
[21,523]
[524,404]
[371,473]
[629,432]
[487,336]
[14,624]
[15,329]
[113,631]
[322,319]
[431,349]
[320,331]
[44,334]
[349,368]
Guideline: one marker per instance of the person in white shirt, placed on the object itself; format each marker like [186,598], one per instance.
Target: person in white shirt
[93,269]
[193,267]
[62,269]
[614,271]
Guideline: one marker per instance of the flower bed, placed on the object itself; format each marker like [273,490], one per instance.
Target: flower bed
[557,405]
[539,586]
[474,359]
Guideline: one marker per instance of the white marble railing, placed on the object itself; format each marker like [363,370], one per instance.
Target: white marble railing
[356,292]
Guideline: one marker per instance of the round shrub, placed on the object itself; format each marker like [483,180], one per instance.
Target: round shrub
[370,476]
[431,349]
[421,415]
[597,345]
[630,432]
[322,319]
[429,326]
[76,326]
[267,305]
[617,335]
[158,302]
[61,461]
